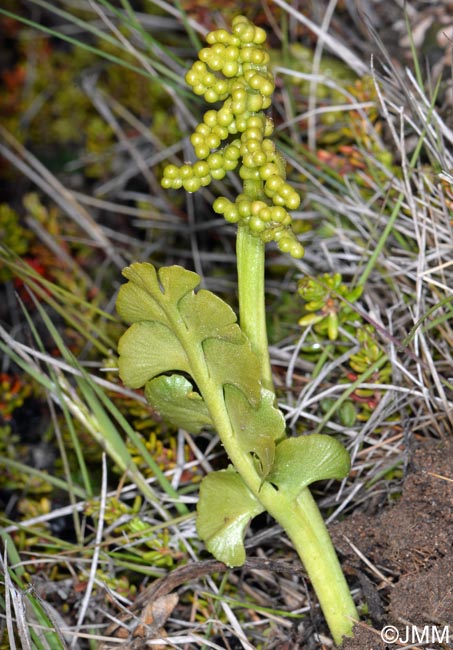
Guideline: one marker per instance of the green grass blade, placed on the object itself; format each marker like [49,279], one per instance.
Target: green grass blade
[344,396]
[74,310]
[129,18]
[196,43]
[101,426]
[168,77]
[137,441]
[437,321]
[75,441]
[381,242]
[42,476]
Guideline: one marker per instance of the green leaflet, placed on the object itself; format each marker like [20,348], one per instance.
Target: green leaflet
[300,461]
[228,363]
[177,402]
[209,315]
[138,300]
[257,428]
[225,507]
[175,329]
[148,349]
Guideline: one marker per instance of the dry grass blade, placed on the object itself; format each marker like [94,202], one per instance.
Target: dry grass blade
[85,604]
[334,45]
[31,167]
[9,600]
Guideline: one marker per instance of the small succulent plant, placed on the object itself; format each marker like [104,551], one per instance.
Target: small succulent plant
[329,303]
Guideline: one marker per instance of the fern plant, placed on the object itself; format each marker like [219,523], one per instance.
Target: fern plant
[199,367]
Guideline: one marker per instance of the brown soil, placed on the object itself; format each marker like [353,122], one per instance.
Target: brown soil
[402,557]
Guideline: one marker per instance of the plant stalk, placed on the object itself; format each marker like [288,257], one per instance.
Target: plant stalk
[252,308]
[300,517]
[304,525]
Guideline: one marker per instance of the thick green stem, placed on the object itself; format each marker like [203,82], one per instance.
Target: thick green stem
[305,526]
[252,309]
[300,518]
